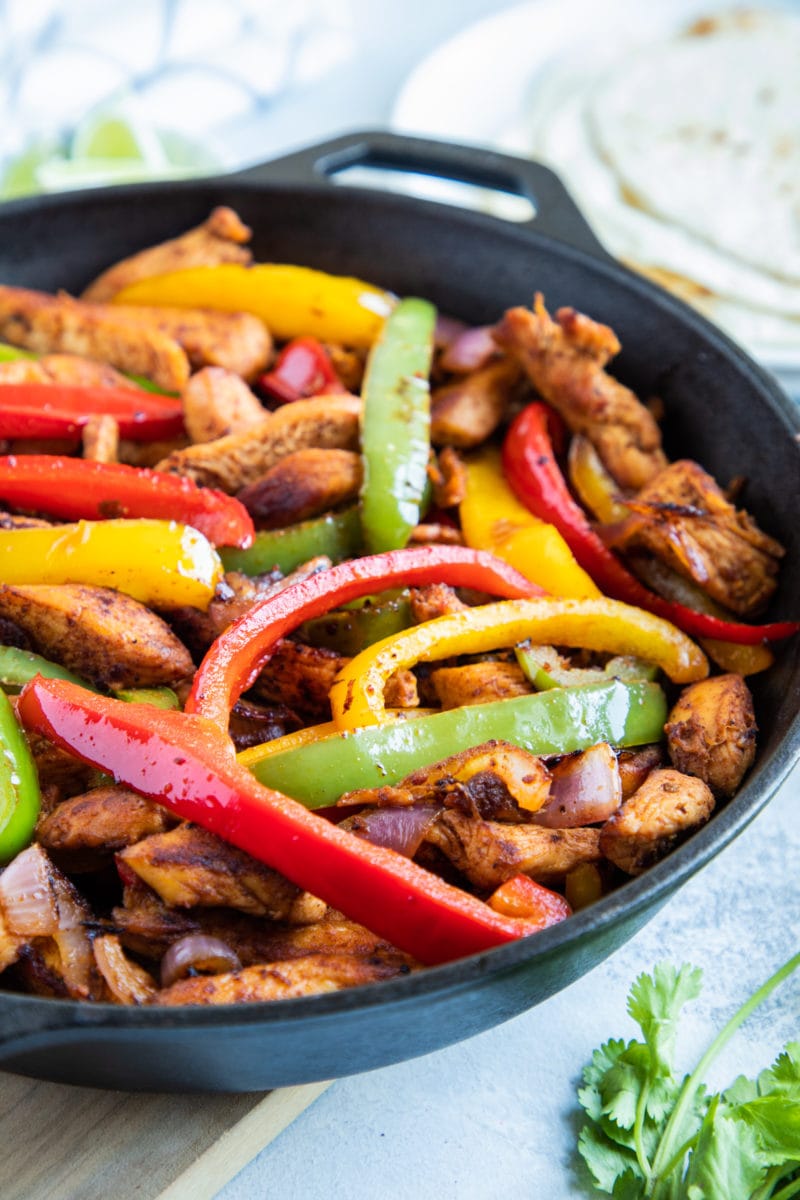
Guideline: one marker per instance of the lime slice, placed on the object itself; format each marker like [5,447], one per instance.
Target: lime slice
[106,136]
[20,175]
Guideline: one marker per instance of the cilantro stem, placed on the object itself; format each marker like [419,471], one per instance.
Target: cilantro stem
[663,1156]
[791,1189]
[638,1140]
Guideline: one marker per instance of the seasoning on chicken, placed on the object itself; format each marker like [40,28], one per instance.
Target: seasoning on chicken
[189,866]
[565,361]
[100,438]
[647,825]
[230,463]
[217,402]
[304,484]
[221,238]
[478,683]
[466,412]
[711,732]
[683,518]
[71,370]
[102,635]
[85,831]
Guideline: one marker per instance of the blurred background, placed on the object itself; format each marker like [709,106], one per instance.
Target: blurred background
[674,123]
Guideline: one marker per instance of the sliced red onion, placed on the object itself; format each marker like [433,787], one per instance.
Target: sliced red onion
[399,828]
[27,898]
[200,952]
[473,348]
[447,330]
[127,981]
[586,788]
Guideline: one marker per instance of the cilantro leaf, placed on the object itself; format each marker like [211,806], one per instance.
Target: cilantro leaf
[655,1003]
[607,1161]
[726,1163]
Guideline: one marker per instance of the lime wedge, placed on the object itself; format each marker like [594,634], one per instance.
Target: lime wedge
[20,175]
[111,136]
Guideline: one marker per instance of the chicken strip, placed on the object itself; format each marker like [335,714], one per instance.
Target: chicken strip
[308,976]
[85,831]
[231,463]
[100,437]
[45,323]
[68,369]
[221,238]
[189,866]
[478,683]
[647,825]
[102,635]
[711,732]
[684,519]
[434,600]
[217,402]
[302,485]
[565,360]
[236,341]
[490,852]
[466,412]
[448,475]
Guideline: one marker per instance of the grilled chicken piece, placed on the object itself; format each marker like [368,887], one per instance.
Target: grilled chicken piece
[43,924]
[86,830]
[308,976]
[237,341]
[489,852]
[217,402]
[57,769]
[711,732]
[126,981]
[434,600]
[100,438]
[189,866]
[495,780]
[565,360]
[221,238]
[102,635]
[448,476]
[301,676]
[435,533]
[683,518]
[636,765]
[478,683]
[68,369]
[466,412]
[45,323]
[304,484]
[647,825]
[231,463]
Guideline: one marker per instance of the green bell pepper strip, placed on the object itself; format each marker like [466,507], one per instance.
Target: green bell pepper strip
[545,668]
[159,697]
[337,535]
[13,353]
[395,434]
[18,666]
[351,629]
[559,721]
[19,786]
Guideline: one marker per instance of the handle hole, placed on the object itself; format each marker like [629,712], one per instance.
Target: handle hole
[496,201]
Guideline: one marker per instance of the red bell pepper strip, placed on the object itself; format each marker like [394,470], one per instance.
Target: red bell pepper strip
[45,410]
[74,488]
[186,766]
[238,654]
[303,368]
[531,469]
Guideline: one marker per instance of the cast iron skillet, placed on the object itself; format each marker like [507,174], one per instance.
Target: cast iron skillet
[721,409]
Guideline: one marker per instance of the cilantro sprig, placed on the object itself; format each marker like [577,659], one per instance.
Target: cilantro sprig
[651,1135]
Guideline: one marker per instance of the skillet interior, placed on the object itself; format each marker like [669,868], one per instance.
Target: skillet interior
[721,409]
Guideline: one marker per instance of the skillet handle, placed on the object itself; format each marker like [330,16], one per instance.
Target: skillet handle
[556,213]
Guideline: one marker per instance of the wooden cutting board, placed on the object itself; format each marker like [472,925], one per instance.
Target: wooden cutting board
[68,1143]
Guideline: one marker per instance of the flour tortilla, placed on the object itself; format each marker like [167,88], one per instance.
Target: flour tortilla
[759,307]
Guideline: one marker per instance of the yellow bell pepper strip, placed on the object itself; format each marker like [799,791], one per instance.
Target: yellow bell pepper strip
[493,519]
[237,656]
[609,625]
[185,765]
[596,489]
[317,769]
[336,535]
[161,563]
[291,301]
[395,430]
[19,786]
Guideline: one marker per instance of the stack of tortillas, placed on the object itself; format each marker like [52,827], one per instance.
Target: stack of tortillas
[685,156]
